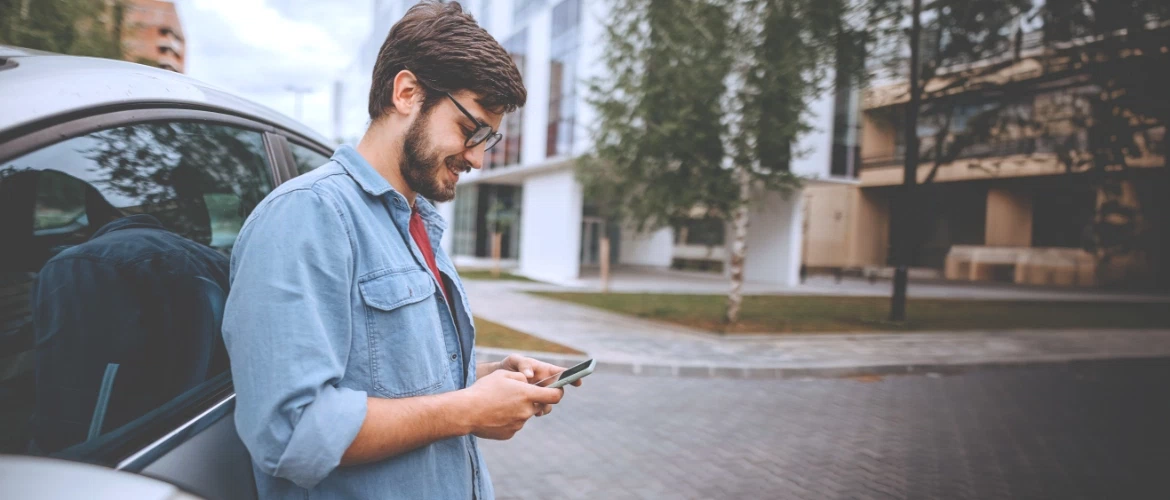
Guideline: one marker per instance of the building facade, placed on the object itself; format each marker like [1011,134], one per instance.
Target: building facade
[1007,208]
[153,34]
[527,191]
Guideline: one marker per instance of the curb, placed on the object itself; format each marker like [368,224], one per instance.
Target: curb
[787,373]
[492,354]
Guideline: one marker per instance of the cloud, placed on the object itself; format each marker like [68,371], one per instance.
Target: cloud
[259,49]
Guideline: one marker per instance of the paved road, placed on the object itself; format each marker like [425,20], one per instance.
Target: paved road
[1085,430]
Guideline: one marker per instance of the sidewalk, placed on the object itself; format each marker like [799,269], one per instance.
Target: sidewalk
[648,280]
[632,345]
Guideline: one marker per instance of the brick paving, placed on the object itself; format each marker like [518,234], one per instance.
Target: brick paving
[1079,430]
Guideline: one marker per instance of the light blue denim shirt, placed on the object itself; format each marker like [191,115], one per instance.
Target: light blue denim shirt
[331,302]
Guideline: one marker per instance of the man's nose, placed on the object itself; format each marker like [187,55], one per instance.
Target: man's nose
[475,156]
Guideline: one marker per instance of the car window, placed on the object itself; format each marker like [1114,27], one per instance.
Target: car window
[114,273]
[307,159]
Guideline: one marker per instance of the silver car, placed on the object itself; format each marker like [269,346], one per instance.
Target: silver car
[122,190]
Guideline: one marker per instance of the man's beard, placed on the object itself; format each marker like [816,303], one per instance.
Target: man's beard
[422,169]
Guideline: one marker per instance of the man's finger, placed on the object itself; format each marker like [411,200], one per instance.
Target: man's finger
[516,376]
[516,363]
[523,365]
[544,395]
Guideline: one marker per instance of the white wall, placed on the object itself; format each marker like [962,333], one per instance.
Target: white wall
[550,227]
[654,249]
[774,240]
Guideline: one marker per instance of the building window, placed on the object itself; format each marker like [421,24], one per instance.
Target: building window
[481,210]
[708,232]
[466,202]
[846,154]
[507,152]
[562,104]
[498,210]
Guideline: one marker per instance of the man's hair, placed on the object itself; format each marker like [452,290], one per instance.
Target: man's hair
[448,52]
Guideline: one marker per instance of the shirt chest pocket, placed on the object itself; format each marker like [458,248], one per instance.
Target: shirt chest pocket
[406,345]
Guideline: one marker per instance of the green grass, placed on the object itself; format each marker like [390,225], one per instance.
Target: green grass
[782,314]
[489,334]
[486,275]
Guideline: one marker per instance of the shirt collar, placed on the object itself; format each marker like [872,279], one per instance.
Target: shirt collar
[131,222]
[357,167]
[372,182]
[428,212]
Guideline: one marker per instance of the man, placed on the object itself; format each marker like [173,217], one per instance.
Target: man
[347,326]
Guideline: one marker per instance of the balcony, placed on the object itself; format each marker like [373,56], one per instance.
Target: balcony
[997,149]
[169,43]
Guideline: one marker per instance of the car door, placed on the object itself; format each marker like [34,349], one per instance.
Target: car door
[306,157]
[118,228]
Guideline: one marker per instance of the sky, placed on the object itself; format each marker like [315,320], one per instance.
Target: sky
[258,49]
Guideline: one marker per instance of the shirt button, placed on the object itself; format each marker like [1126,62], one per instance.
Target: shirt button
[453,356]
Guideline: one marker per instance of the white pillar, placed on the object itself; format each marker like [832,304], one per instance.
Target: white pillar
[447,211]
[590,64]
[817,143]
[536,80]
[550,227]
[774,240]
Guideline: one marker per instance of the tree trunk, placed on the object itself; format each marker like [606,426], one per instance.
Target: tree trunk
[497,244]
[904,208]
[739,224]
[604,264]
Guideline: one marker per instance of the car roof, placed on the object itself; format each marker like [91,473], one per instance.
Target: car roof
[40,85]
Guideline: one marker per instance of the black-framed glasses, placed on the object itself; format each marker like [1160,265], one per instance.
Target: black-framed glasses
[482,133]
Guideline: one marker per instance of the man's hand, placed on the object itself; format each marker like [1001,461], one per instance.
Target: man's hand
[536,371]
[503,401]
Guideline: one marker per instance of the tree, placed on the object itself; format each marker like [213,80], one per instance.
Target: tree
[603,187]
[76,27]
[1116,56]
[702,106]
[660,125]
[969,59]
[901,223]
[965,41]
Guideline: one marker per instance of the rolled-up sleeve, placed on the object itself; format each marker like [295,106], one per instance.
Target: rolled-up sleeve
[288,330]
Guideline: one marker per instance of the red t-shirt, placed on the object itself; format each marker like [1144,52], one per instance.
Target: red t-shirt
[419,232]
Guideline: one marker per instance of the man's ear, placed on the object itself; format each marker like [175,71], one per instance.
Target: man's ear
[408,92]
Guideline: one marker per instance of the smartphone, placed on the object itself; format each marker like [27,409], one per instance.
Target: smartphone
[568,376]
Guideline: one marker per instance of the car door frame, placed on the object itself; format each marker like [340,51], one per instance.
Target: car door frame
[214,402]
